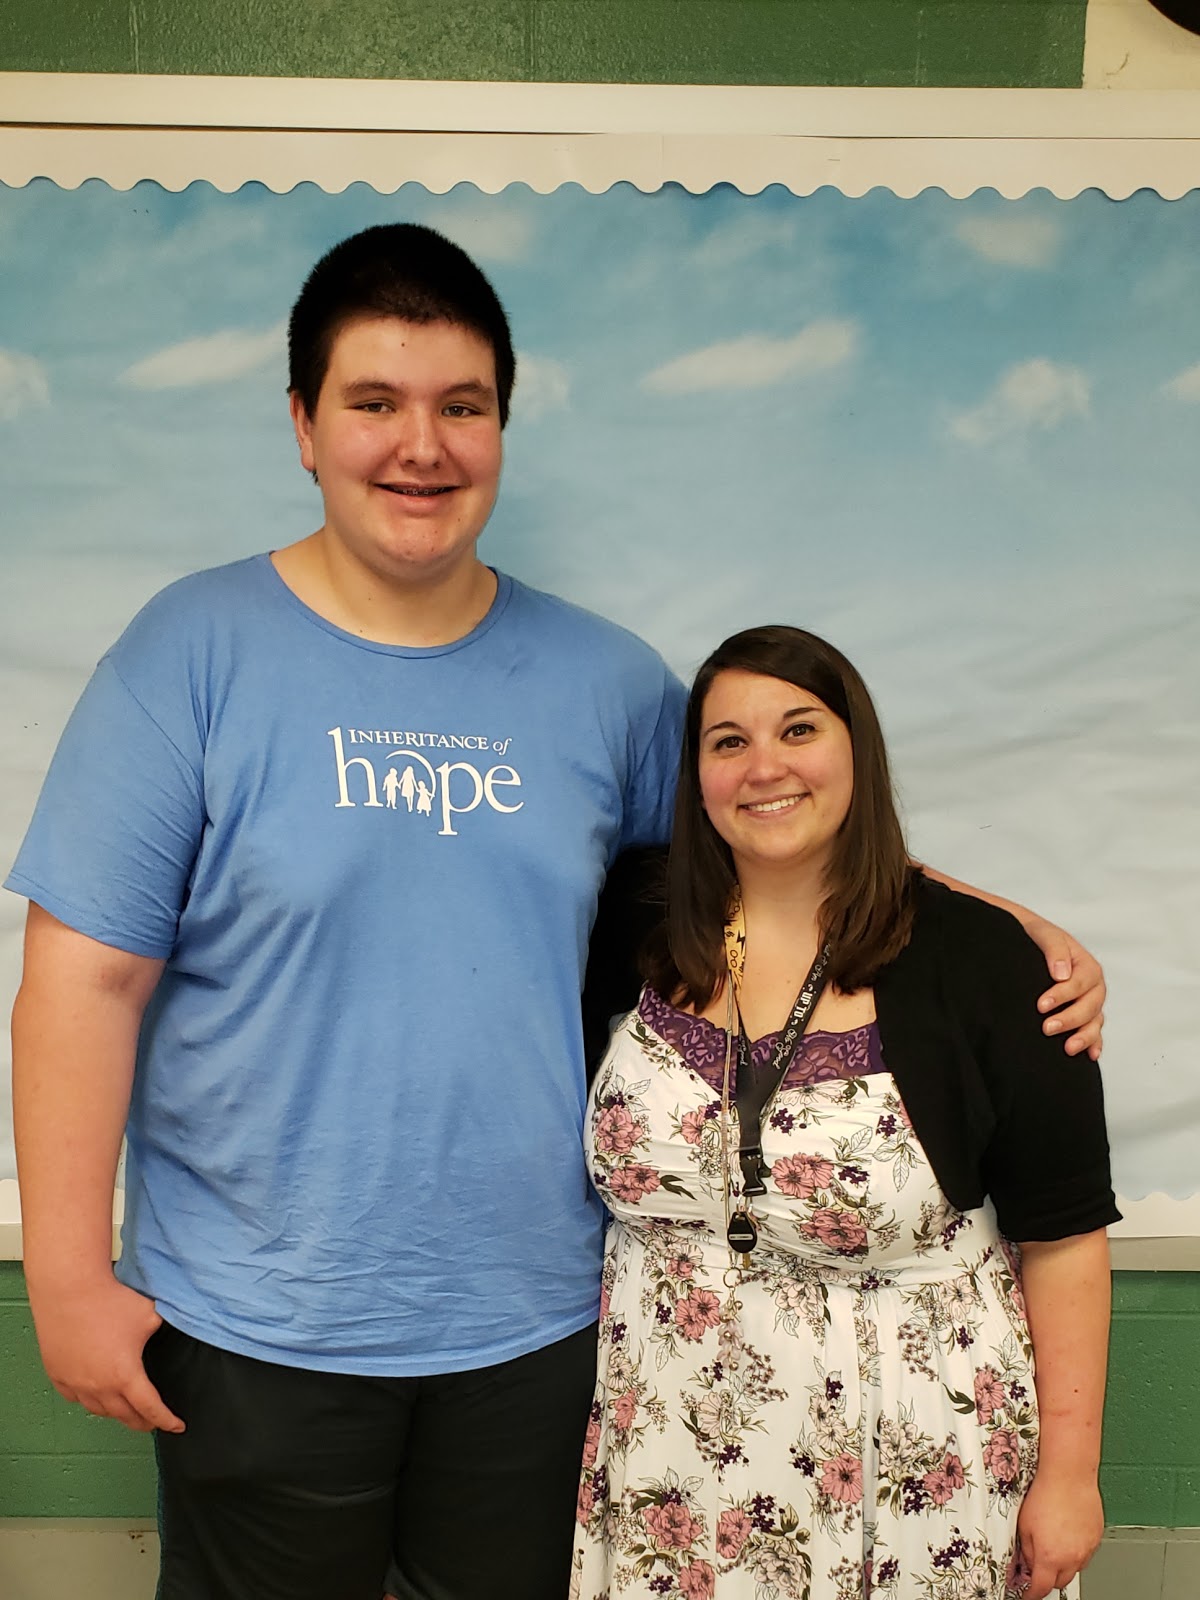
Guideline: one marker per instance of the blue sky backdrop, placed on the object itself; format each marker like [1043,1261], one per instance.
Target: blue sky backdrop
[959,437]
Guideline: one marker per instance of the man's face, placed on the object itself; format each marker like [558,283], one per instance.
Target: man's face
[405,442]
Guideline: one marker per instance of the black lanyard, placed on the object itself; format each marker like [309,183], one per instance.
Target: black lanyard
[756,1089]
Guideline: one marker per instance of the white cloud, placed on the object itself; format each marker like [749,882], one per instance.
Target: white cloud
[1012,241]
[1185,385]
[1033,394]
[542,385]
[215,358]
[754,361]
[24,385]
[739,240]
[491,236]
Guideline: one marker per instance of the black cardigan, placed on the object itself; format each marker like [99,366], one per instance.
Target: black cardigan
[999,1108]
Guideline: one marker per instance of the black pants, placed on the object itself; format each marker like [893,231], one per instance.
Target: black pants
[298,1485]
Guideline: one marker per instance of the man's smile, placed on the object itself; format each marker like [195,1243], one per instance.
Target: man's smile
[418,491]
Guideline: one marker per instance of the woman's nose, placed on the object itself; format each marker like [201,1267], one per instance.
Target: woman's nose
[764,762]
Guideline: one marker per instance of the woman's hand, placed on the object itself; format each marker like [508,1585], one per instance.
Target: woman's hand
[1079,987]
[1060,1525]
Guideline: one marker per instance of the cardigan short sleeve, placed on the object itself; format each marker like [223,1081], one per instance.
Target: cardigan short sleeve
[1046,1164]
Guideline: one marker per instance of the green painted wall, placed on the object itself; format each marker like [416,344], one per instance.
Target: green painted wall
[1012,42]
[55,1461]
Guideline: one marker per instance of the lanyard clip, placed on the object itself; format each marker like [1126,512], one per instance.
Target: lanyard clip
[750,1158]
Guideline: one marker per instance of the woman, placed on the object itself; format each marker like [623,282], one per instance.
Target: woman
[817,1363]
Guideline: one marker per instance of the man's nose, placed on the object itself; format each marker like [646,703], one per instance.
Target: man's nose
[420,437]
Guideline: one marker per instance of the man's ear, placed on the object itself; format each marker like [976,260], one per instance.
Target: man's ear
[302,425]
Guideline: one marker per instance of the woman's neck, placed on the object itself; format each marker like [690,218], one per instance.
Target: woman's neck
[782,907]
[782,918]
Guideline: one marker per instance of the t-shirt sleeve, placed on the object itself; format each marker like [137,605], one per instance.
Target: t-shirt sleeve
[116,828]
[1047,1165]
[650,800]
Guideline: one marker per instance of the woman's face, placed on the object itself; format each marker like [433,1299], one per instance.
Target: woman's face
[776,769]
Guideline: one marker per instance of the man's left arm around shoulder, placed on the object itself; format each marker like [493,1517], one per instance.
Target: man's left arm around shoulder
[1074,1004]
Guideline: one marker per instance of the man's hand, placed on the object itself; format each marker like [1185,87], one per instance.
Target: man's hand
[75,1030]
[1060,1525]
[92,1341]
[1079,987]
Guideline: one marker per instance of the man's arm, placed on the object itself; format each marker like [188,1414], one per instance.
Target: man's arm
[75,1029]
[1079,987]
[1067,1289]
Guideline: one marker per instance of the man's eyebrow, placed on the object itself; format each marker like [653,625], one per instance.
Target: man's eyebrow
[363,386]
[475,386]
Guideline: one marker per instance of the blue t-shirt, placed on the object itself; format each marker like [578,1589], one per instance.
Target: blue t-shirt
[354,1139]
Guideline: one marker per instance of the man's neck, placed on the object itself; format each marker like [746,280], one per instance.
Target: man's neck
[433,609]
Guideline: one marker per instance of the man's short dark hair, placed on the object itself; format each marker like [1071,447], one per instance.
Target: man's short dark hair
[399,269]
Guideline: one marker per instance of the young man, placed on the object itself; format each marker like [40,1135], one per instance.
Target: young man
[311,879]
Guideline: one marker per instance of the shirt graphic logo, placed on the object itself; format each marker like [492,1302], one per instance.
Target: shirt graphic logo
[409,783]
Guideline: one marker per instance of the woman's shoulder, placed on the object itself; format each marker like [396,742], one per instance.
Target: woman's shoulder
[961,947]
[964,922]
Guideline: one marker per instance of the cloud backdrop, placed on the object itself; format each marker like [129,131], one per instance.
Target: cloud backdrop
[918,426]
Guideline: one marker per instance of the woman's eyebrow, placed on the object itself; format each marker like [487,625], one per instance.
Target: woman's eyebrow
[796,711]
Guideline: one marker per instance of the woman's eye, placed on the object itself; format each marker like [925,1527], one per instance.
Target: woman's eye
[800,730]
[728,741]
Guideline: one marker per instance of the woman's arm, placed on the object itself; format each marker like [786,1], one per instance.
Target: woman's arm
[1077,996]
[75,1029]
[1067,1296]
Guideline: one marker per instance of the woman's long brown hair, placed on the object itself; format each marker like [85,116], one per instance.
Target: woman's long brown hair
[867,914]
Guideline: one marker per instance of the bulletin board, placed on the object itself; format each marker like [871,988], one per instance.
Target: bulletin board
[919,370]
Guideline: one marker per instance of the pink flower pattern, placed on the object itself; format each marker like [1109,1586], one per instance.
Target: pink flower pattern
[733,1451]
[671,1527]
[841,1231]
[944,1482]
[625,1409]
[617,1132]
[989,1393]
[698,1582]
[801,1176]
[1002,1456]
[691,1125]
[696,1312]
[733,1529]
[631,1183]
[841,1479]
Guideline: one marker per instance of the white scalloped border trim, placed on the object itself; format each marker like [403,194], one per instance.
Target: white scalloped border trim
[282,132]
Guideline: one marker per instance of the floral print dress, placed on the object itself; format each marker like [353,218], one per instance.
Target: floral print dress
[851,1415]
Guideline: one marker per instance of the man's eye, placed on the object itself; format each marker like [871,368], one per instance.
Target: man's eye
[374,408]
[457,409]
